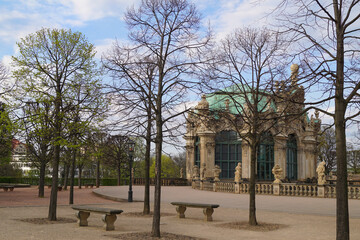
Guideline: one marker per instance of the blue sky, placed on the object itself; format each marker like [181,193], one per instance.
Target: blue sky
[102,20]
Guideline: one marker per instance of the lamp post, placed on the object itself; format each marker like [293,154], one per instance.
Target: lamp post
[131,147]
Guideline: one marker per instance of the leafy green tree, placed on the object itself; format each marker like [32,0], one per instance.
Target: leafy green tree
[6,129]
[169,169]
[38,132]
[49,66]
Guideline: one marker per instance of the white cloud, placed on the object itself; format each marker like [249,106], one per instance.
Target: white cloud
[87,10]
[103,47]
[233,14]
[21,17]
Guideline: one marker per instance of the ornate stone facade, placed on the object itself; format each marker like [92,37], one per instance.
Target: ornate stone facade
[293,136]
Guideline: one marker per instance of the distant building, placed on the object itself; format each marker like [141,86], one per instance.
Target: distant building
[212,139]
[19,156]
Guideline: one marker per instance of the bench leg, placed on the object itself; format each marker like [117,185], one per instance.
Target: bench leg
[208,214]
[181,211]
[11,189]
[5,189]
[82,218]
[109,220]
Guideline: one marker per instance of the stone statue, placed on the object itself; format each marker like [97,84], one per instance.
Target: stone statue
[294,73]
[227,103]
[196,172]
[238,172]
[321,173]
[181,173]
[203,171]
[217,171]
[277,171]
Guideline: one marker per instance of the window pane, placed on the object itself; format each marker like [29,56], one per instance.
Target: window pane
[224,149]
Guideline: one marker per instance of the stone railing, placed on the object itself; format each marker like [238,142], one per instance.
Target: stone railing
[300,190]
[353,191]
[264,188]
[279,189]
[164,181]
[224,187]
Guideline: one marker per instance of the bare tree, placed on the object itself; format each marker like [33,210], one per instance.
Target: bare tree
[327,148]
[327,37]
[6,87]
[133,95]
[353,158]
[166,31]
[248,64]
[115,154]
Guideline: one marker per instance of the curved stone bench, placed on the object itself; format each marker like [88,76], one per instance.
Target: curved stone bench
[7,188]
[108,218]
[208,209]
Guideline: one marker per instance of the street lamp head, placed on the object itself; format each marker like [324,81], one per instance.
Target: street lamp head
[131,146]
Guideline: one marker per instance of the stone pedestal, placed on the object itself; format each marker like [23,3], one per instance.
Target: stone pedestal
[82,218]
[208,214]
[181,211]
[321,191]
[215,186]
[109,220]
[276,189]
[237,187]
[201,185]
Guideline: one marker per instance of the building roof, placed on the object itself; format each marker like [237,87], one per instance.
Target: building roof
[237,99]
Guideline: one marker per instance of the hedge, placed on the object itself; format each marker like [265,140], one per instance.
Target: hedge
[35,181]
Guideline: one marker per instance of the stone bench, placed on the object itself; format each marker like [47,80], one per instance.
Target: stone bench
[108,218]
[208,209]
[89,185]
[59,187]
[7,187]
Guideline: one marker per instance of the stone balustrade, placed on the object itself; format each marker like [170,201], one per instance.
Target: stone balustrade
[225,187]
[285,189]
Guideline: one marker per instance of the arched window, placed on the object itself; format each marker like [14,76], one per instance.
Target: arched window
[197,152]
[227,152]
[291,158]
[265,158]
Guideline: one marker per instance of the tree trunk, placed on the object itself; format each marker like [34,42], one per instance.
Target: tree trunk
[80,176]
[118,170]
[56,159]
[42,178]
[342,209]
[252,203]
[97,173]
[147,165]
[72,177]
[157,198]
[66,175]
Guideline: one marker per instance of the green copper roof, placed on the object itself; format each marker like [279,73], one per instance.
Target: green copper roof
[237,99]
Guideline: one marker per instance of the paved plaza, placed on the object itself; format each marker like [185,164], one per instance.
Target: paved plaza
[302,218]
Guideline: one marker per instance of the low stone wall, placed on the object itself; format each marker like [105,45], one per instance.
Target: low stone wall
[164,181]
[279,189]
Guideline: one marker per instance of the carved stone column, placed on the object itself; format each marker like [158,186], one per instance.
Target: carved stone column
[310,154]
[190,155]
[207,151]
[280,153]
[245,158]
